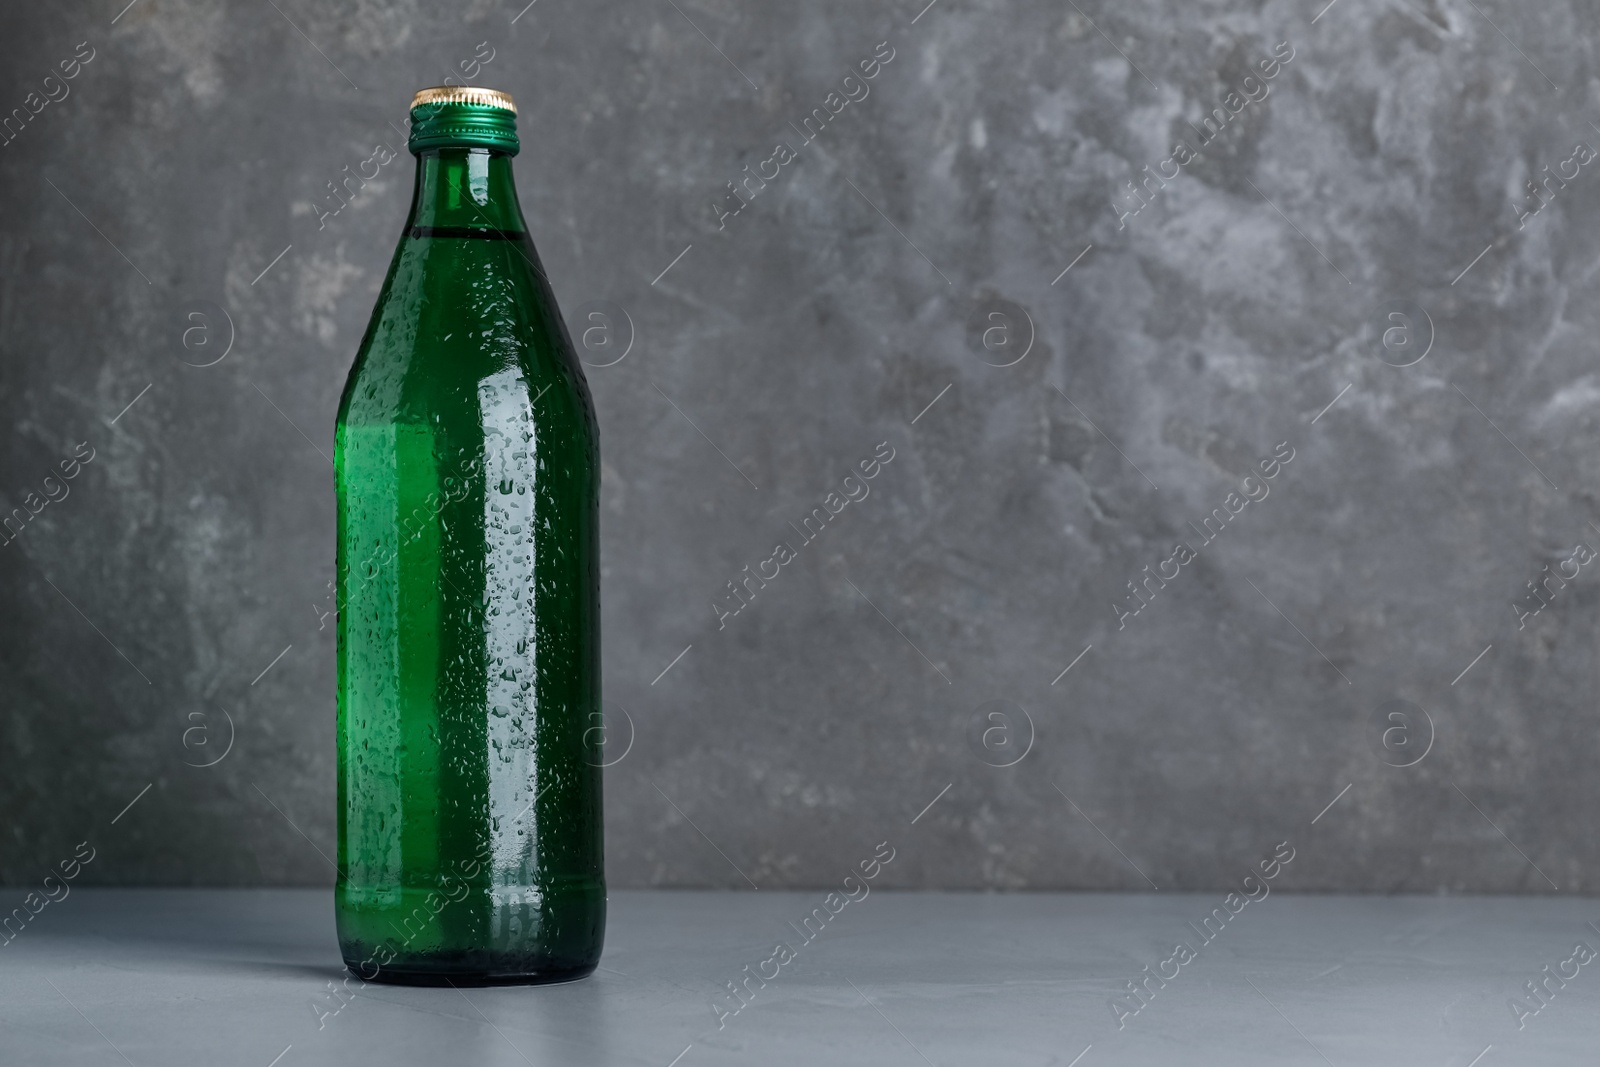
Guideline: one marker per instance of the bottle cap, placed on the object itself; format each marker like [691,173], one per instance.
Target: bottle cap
[463,116]
[464,94]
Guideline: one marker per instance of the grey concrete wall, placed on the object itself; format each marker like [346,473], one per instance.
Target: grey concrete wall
[900,280]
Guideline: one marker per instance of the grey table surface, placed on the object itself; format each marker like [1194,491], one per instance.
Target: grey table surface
[162,976]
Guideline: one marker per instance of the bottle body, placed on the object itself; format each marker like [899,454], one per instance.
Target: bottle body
[469,821]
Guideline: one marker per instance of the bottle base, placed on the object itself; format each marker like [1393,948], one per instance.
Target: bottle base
[443,970]
[457,936]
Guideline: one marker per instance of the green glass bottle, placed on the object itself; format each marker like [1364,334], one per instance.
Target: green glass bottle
[467,467]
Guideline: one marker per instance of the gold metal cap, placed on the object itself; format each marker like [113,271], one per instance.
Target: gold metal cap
[464,94]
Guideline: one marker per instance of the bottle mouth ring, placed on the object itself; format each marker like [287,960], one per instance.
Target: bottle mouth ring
[463,117]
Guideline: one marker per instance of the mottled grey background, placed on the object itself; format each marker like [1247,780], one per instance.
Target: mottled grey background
[1221,320]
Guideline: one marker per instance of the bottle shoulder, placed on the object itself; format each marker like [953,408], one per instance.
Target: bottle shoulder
[457,316]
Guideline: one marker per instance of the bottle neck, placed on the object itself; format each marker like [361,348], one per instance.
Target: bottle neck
[465,188]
